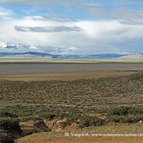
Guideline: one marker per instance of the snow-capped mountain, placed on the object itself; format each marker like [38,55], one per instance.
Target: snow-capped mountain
[26,51]
[6,46]
[13,50]
[22,48]
[28,55]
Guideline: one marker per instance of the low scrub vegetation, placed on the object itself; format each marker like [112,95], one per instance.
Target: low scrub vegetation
[118,99]
[86,121]
[6,137]
[9,128]
[126,114]
[5,114]
[9,125]
[82,120]
[91,95]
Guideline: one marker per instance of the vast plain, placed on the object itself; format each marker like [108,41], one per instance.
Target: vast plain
[101,98]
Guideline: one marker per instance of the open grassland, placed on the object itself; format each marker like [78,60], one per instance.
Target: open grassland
[100,102]
[85,95]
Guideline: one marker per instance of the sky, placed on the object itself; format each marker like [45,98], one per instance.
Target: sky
[72,26]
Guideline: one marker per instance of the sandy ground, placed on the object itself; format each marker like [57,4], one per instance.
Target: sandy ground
[64,75]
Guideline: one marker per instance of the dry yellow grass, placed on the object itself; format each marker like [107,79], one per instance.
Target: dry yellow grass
[64,75]
[47,139]
[59,137]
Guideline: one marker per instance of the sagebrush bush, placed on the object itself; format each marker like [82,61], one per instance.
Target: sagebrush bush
[64,124]
[125,114]
[48,116]
[119,111]
[5,114]
[10,125]
[127,119]
[6,138]
[73,117]
[86,121]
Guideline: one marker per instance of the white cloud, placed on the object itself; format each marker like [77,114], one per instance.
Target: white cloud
[47,29]
[130,16]
[96,11]
[5,13]
[95,37]
[110,29]
[47,3]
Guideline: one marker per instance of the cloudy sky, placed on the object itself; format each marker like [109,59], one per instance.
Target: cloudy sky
[72,26]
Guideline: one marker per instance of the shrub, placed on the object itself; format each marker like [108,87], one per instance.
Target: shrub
[126,114]
[73,117]
[86,121]
[10,125]
[5,114]
[48,116]
[135,110]
[6,138]
[120,111]
[64,124]
[127,119]
[70,118]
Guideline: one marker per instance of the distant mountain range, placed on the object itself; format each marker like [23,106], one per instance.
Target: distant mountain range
[132,56]
[96,56]
[11,50]
[46,55]
[28,55]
